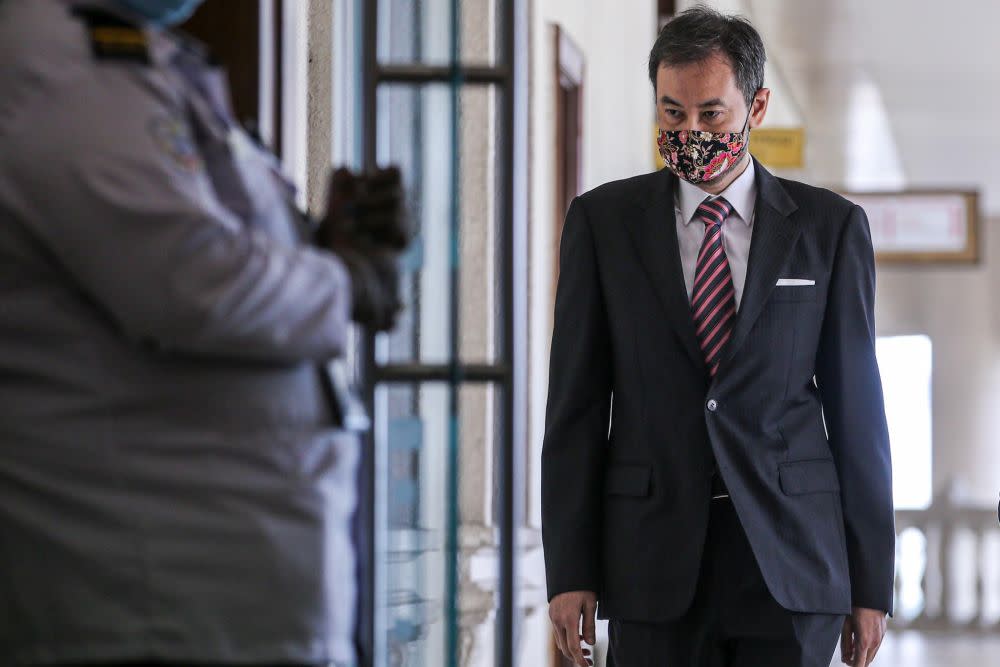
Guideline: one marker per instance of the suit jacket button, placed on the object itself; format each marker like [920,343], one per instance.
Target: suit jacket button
[713,405]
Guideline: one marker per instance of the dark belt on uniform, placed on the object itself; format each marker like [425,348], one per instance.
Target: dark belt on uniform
[719,489]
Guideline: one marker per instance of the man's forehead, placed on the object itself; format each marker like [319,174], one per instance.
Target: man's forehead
[702,83]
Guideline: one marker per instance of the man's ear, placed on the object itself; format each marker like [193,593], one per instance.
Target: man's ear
[759,107]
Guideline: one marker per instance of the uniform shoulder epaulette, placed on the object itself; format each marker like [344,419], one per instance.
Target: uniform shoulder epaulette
[113,37]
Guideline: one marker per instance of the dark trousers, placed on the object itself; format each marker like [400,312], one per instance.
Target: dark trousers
[733,621]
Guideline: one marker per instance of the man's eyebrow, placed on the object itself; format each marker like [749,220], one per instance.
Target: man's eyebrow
[714,102]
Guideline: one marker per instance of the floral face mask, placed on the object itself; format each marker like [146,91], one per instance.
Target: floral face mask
[698,156]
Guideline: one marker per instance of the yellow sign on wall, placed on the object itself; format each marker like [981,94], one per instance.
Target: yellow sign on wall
[779,147]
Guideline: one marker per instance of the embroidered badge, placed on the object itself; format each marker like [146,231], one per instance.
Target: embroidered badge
[173,137]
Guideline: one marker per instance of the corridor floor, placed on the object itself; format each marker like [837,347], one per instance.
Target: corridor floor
[914,649]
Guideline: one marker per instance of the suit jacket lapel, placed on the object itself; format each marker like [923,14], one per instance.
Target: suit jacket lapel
[654,233]
[773,238]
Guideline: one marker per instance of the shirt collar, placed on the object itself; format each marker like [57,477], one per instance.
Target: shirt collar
[741,193]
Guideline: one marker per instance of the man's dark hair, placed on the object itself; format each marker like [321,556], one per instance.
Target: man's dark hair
[699,33]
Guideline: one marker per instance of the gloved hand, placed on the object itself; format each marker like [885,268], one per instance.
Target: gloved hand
[364,226]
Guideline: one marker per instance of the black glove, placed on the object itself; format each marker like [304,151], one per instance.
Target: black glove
[364,225]
[374,287]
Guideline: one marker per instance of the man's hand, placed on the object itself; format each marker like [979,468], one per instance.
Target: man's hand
[565,611]
[862,635]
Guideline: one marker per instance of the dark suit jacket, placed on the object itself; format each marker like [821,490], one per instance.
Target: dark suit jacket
[625,509]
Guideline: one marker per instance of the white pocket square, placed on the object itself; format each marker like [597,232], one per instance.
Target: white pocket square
[787,282]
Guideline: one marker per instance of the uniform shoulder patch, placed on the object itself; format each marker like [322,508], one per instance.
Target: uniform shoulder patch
[113,37]
[173,137]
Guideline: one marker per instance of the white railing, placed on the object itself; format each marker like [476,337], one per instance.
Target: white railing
[948,567]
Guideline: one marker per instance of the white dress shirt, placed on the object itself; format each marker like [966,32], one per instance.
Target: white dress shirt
[736,230]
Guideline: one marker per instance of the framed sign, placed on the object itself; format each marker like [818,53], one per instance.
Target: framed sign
[922,225]
[779,147]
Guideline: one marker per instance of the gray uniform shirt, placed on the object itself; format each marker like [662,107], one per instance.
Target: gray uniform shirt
[172,484]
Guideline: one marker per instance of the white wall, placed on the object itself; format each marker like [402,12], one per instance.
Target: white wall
[618,142]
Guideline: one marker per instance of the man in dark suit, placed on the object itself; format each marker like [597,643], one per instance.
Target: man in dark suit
[735,506]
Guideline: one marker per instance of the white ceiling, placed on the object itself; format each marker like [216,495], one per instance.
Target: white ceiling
[894,93]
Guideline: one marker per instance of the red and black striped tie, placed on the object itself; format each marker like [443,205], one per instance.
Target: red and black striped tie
[713,300]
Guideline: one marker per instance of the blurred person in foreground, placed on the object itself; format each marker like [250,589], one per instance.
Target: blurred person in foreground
[176,481]
[718,521]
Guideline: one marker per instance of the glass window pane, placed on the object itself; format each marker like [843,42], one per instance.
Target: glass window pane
[419,31]
[415,482]
[414,132]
